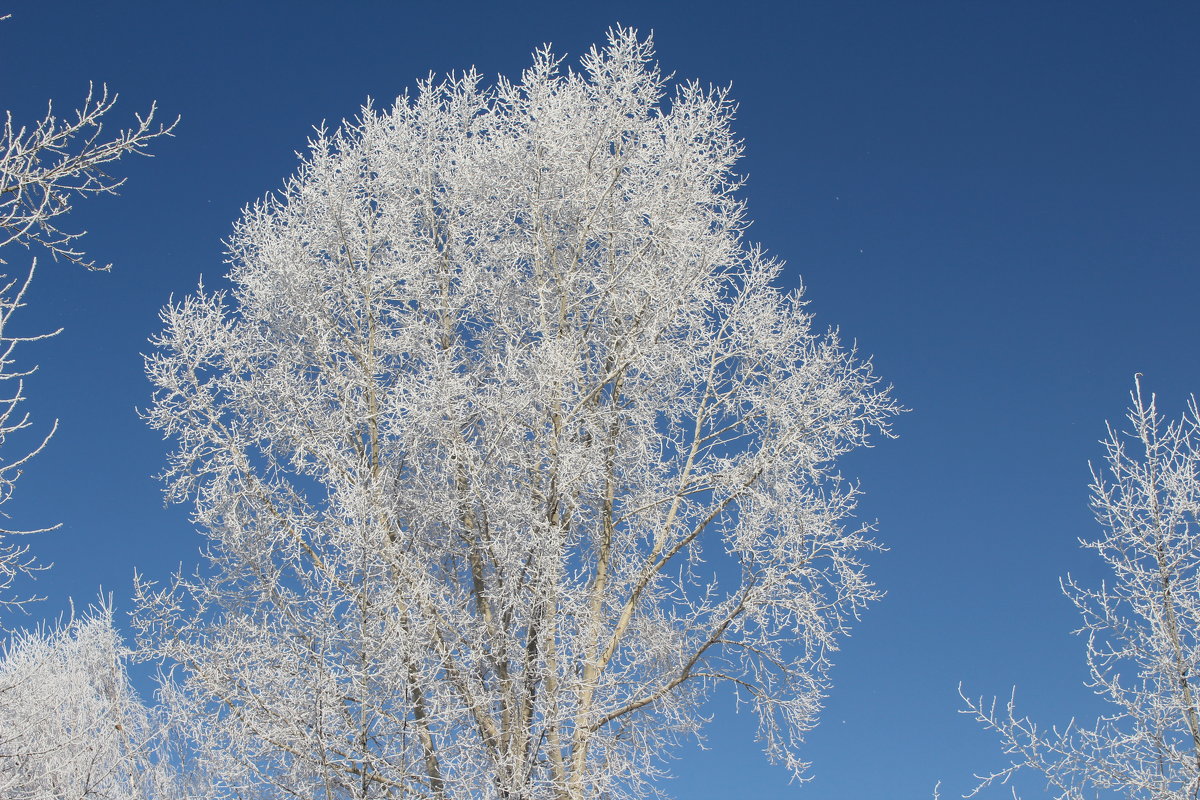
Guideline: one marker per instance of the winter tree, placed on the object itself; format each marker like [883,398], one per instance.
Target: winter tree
[510,451]
[73,726]
[44,168]
[1142,629]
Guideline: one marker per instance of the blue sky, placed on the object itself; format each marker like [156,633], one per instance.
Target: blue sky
[997,200]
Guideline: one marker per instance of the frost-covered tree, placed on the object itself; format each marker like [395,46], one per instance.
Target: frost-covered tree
[44,168]
[1142,628]
[73,727]
[509,450]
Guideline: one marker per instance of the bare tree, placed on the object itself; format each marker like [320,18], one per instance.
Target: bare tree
[509,450]
[44,168]
[1142,629]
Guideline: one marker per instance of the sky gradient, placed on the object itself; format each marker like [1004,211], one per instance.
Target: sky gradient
[998,201]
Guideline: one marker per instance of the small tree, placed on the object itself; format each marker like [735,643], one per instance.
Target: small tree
[1143,629]
[72,725]
[509,451]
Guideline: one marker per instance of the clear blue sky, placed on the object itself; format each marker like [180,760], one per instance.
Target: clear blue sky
[998,200]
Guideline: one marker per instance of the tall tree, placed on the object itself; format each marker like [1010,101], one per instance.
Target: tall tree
[44,168]
[1142,629]
[509,450]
